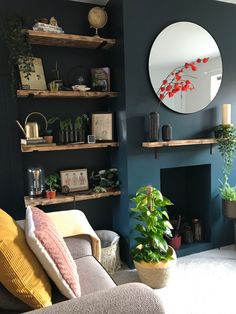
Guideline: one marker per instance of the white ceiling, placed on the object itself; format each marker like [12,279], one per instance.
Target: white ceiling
[99,2]
[229,1]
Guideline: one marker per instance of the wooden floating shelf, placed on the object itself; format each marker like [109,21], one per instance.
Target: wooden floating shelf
[49,148]
[69,40]
[203,141]
[60,199]
[24,93]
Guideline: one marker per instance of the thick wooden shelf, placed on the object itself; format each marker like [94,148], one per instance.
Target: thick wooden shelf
[75,197]
[49,148]
[24,93]
[202,141]
[69,40]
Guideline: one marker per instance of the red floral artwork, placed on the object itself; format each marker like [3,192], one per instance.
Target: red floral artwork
[176,82]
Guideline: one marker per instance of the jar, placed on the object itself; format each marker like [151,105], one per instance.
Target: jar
[188,235]
[197,230]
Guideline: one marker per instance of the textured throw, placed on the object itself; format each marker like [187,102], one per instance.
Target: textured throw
[51,250]
[74,222]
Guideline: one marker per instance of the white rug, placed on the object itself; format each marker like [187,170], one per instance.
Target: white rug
[203,283]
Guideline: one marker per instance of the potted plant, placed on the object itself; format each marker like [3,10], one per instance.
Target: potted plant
[80,125]
[153,258]
[105,179]
[51,182]
[226,140]
[48,133]
[175,240]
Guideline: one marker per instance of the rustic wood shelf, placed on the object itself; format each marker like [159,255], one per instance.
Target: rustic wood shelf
[75,197]
[24,93]
[69,40]
[49,148]
[202,141]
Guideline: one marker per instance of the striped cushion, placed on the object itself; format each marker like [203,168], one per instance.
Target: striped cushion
[21,273]
[52,251]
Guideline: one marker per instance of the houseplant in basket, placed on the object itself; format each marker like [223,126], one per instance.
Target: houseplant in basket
[153,258]
[52,184]
[226,140]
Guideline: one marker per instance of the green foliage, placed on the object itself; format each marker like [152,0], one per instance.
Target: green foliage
[226,140]
[19,48]
[228,192]
[105,179]
[81,120]
[52,182]
[153,224]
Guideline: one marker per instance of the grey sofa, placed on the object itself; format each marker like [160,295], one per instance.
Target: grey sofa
[99,293]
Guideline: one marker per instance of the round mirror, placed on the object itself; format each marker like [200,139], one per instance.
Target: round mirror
[185,67]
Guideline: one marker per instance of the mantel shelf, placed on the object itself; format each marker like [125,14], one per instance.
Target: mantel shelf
[69,40]
[49,148]
[75,197]
[202,141]
[24,93]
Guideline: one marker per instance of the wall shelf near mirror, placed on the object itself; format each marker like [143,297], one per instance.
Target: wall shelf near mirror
[60,198]
[22,93]
[187,142]
[47,148]
[69,40]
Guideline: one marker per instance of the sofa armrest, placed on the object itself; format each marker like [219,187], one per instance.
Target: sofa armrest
[128,298]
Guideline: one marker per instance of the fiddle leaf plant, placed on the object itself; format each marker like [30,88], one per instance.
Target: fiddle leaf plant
[153,225]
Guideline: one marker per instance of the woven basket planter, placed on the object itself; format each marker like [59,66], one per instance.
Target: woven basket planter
[156,275]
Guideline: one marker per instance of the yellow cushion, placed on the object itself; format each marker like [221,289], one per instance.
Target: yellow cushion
[20,271]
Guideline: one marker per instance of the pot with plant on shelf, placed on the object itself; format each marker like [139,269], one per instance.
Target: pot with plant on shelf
[105,180]
[80,128]
[48,132]
[175,240]
[52,183]
[153,258]
[226,140]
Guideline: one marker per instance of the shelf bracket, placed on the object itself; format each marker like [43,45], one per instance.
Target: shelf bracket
[212,149]
[155,152]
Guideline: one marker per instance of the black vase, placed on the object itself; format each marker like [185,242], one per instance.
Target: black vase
[153,127]
[167,132]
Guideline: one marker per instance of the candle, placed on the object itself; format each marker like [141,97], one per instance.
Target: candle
[226,114]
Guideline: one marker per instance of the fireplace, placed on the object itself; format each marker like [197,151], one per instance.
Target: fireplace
[189,189]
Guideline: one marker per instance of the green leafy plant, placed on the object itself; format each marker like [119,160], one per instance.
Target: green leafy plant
[50,122]
[105,179]
[150,211]
[52,182]
[19,48]
[80,121]
[226,140]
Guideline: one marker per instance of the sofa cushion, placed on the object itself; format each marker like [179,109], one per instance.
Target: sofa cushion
[51,250]
[21,274]
[93,277]
[79,246]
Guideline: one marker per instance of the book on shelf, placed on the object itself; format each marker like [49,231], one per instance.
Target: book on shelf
[32,141]
[101,79]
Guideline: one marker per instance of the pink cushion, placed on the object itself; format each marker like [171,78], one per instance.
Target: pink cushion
[51,250]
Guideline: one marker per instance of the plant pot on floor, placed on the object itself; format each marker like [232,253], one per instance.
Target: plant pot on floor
[156,275]
[229,209]
[51,194]
[175,242]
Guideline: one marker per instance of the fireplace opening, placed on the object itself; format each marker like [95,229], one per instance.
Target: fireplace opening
[189,189]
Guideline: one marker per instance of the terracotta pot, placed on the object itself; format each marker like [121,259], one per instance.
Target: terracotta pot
[51,194]
[156,275]
[48,139]
[175,242]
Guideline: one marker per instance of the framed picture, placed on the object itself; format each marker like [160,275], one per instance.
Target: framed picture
[75,179]
[36,80]
[102,126]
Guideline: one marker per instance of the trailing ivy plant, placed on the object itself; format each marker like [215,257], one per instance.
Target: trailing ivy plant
[19,48]
[153,224]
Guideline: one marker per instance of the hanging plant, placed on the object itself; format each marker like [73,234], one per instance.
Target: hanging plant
[19,48]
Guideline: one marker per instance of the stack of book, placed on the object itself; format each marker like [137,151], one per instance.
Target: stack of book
[42,27]
[32,141]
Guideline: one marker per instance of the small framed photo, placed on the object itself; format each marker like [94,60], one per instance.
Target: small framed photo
[36,81]
[102,126]
[75,179]
[91,139]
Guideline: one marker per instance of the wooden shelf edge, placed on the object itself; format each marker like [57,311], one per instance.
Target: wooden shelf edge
[49,148]
[60,199]
[24,93]
[69,40]
[203,141]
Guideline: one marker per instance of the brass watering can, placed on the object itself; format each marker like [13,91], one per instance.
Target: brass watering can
[31,129]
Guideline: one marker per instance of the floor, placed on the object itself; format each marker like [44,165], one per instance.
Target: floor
[203,283]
